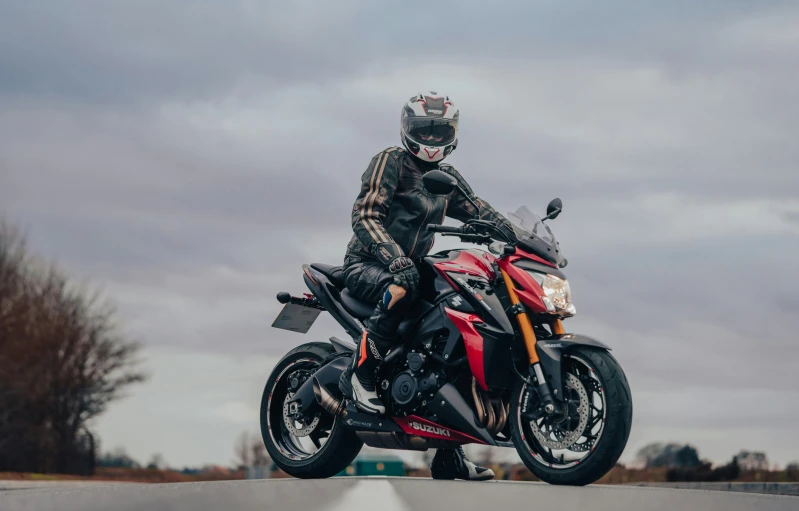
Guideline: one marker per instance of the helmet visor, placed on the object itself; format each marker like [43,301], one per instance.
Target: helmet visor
[431,132]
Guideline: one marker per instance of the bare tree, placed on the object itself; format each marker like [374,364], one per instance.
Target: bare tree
[792,471]
[156,462]
[668,455]
[62,361]
[752,460]
[243,450]
[259,454]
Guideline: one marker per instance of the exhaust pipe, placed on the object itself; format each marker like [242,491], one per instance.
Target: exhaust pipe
[492,414]
[491,417]
[478,404]
[502,414]
[327,401]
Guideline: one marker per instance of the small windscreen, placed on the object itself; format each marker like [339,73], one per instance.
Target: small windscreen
[528,225]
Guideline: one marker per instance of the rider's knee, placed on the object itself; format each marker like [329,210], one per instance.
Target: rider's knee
[394,294]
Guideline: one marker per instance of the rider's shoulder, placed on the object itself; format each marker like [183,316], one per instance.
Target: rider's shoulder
[393,151]
[391,156]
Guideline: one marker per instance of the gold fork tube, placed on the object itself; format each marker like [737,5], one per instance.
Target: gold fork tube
[524,321]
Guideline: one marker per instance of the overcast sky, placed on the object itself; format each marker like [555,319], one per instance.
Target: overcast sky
[190,156]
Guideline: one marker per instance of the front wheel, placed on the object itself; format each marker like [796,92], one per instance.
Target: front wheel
[583,443]
[313,447]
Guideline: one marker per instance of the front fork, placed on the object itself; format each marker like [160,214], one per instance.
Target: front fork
[528,334]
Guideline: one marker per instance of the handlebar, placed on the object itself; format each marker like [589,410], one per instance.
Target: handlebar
[445,229]
[464,232]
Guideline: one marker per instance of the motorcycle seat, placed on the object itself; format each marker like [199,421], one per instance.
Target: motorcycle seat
[358,308]
[334,273]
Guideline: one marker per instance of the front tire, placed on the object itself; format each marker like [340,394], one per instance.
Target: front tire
[599,438]
[296,447]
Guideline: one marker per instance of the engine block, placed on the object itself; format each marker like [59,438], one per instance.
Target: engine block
[413,386]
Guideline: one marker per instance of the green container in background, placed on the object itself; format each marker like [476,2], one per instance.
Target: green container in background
[374,465]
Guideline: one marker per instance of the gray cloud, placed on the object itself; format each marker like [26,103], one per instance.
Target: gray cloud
[192,156]
[182,49]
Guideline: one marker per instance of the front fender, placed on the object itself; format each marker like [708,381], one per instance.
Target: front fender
[551,351]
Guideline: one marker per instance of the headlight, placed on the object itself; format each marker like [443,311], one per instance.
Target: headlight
[557,293]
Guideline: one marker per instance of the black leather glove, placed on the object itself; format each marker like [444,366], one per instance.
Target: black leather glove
[405,273]
[402,267]
[469,229]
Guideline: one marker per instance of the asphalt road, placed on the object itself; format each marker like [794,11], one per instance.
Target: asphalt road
[377,494]
[45,484]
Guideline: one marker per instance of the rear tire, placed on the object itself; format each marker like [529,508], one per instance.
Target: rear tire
[614,433]
[342,445]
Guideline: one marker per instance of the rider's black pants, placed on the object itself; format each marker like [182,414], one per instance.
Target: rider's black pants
[370,281]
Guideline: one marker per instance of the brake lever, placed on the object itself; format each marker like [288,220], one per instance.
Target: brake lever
[472,238]
[478,238]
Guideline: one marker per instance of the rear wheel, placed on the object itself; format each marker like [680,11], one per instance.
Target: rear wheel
[584,443]
[311,447]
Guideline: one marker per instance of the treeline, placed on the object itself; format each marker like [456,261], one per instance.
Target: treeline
[682,463]
[62,361]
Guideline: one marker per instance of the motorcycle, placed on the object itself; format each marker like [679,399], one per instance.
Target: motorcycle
[482,358]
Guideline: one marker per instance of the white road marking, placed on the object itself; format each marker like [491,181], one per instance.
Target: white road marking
[367,494]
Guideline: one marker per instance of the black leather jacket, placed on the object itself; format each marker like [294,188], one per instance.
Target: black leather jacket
[393,208]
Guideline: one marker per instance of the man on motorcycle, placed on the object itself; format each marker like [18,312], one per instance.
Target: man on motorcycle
[389,221]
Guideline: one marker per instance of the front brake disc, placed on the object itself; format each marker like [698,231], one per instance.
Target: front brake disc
[552,439]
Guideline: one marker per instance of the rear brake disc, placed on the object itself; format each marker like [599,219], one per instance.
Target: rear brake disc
[292,424]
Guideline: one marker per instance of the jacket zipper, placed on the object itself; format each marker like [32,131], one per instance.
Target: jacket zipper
[424,225]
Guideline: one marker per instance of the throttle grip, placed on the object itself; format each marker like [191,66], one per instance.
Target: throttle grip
[444,228]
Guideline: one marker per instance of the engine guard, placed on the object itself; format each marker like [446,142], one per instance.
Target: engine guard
[551,351]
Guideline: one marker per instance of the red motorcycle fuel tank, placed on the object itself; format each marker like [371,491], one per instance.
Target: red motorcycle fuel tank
[470,262]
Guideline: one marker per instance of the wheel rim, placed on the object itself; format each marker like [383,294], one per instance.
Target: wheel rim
[313,432]
[567,444]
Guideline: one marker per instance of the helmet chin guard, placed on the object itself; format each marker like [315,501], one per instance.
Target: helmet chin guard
[427,153]
[430,126]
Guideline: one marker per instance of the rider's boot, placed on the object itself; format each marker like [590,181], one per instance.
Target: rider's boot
[359,381]
[453,464]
